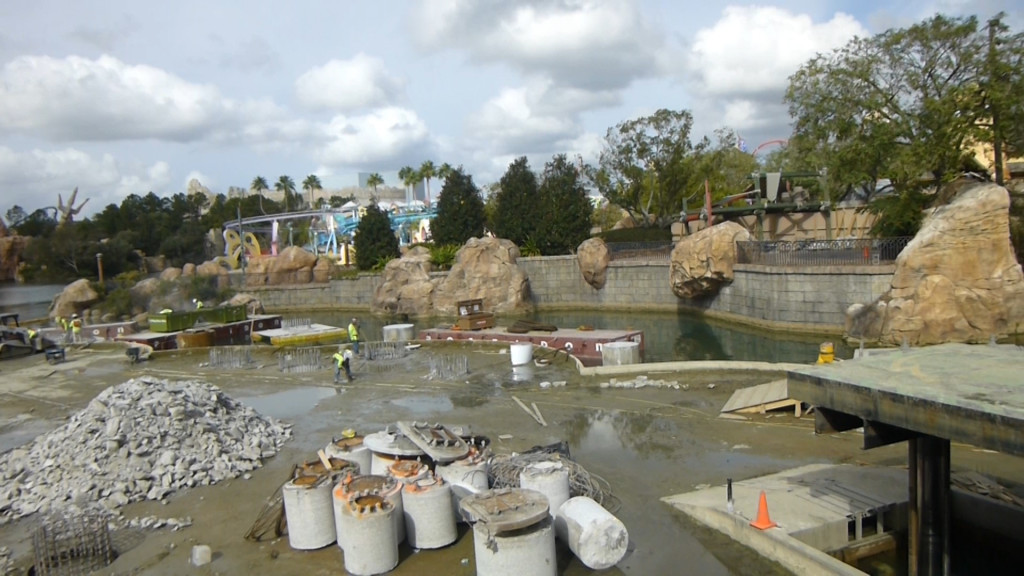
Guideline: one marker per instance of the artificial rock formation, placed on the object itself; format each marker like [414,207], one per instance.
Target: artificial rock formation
[593,258]
[703,263]
[485,268]
[294,265]
[406,286]
[74,299]
[957,281]
[11,249]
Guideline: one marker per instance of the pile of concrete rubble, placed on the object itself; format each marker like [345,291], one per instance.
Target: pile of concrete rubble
[143,439]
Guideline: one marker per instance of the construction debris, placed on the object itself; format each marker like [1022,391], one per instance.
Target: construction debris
[143,439]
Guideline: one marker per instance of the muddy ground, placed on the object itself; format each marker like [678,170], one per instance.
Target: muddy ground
[647,443]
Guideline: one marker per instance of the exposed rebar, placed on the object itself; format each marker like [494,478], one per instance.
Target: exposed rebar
[72,546]
[300,360]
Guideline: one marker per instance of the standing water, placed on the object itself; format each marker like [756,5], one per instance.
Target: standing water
[28,301]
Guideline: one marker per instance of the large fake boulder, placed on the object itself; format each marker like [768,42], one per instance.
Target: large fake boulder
[293,265]
[957,280]
[703,263]
[593,258]
[406,286]
[143,293]
[214,269]
[11,249]
[75,298]
[485,268]
[250,301]
[170,274]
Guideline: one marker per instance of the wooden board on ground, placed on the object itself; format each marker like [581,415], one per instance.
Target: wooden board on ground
[762,398]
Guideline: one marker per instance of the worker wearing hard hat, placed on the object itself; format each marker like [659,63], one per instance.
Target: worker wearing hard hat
[343,360]
[353,334]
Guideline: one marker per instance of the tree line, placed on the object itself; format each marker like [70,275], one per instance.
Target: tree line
[902,111]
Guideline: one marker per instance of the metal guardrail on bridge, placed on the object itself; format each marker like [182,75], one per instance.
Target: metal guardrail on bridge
[846,252]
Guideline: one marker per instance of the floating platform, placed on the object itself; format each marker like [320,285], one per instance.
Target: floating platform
[229,334]
[307,335]
[585,345]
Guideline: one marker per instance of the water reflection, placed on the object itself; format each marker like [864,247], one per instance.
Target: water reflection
[643,435]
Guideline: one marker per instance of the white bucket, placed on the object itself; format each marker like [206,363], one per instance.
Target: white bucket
[594,535]
[620,353]
[307,506]
[526,551]
[370,545]
[398,332]
[550,479]
[429,519]
[521,353]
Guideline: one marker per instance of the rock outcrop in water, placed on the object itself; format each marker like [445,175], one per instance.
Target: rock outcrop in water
[703,263]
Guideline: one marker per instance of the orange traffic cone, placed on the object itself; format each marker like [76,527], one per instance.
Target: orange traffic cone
[763,522]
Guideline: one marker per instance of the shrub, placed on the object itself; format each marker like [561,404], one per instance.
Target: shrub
[442,257]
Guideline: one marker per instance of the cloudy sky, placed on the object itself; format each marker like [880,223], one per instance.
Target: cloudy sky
[131,96]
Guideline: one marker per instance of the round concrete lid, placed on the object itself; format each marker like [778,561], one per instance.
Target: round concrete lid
[393,444]
[505,509]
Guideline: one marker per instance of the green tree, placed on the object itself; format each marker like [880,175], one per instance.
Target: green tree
[460,211]
[566,214]
[903,103]
[374,241]
[426,172]
[517,207]
[312,185]
[409,178]
[286,186]
[375,180]
[259,186]
[645,166]
[39,223]
[444,171]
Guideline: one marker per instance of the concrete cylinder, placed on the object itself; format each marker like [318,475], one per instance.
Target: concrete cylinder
[429,519]
[408,471]
[620,353]
[398,332]
[386,486]
[466,475]
[594,535]
[521,353]
[529,550]
[353,450]
[307,506]
[550,479]
[370,545]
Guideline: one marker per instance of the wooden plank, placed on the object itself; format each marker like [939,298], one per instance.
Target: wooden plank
[768,407]
[756,396]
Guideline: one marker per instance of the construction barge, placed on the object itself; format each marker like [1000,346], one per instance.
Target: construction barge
[220,326]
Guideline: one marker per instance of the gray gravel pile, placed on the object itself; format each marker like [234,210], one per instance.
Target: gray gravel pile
[143,439]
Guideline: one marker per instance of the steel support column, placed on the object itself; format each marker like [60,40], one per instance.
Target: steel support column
[929,535]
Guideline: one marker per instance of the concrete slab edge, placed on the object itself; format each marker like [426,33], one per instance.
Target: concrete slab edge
[691,366]
[773,544]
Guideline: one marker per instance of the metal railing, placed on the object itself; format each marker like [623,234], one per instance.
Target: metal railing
[846,252]
[640,251]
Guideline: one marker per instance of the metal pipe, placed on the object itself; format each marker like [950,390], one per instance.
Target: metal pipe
[933,502]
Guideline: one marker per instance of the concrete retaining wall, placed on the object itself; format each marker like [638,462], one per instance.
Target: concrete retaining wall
[800,299]
[812,299]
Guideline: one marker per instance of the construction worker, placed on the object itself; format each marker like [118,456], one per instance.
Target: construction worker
[343,358]
[198,303]
[76,328]
[353,334]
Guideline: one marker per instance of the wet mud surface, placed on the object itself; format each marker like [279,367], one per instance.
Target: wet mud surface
[647,443]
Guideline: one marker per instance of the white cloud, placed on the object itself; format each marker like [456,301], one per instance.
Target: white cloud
[754,50]
[78,99]
[597,45]
[374,140]
[33,179]
[738,69]
[348,85]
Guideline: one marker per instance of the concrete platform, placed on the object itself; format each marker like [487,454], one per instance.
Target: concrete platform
[818,508]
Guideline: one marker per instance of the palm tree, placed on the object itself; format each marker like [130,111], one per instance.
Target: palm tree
[427,171]
[408,177]
[259,186]
[444,171]
[311,184]
[375,180]
[285,185]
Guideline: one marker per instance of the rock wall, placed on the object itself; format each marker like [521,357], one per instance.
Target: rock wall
[593,259]
[11,248]
[957,281]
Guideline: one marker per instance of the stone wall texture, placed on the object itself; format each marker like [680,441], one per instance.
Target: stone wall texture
[811,299]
